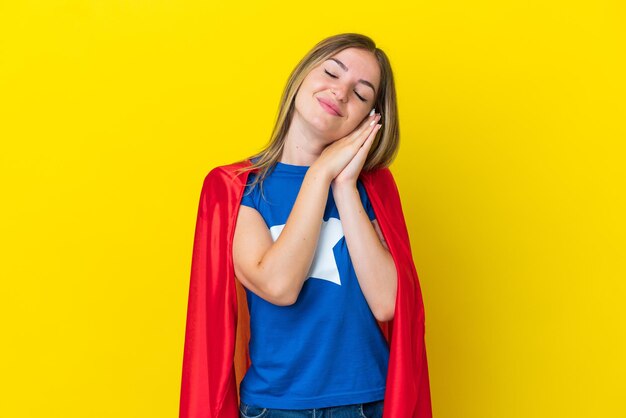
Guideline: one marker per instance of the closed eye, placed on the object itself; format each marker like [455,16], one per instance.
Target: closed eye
[357,94]
[332,75]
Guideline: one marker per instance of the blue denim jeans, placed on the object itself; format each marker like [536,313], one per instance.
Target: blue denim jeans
[357,410]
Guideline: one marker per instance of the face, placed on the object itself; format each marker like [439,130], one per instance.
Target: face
[348,81]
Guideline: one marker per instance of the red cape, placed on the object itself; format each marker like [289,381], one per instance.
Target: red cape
[216,353]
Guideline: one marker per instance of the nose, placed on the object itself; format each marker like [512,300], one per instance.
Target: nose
[340,92]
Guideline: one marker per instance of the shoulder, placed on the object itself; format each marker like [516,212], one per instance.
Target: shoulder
[223,184]
[221,187]
[227,174]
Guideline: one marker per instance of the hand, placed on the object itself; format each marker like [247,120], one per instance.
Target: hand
[351,172]
[343,160]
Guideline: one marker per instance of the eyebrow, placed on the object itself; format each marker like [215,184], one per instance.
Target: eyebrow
[342,65]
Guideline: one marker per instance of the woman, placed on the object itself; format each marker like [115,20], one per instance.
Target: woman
[319,277]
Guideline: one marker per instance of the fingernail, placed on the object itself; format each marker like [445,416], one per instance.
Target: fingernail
[373,122]
[372,112]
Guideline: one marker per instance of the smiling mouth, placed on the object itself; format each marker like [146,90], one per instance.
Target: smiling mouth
[328,108]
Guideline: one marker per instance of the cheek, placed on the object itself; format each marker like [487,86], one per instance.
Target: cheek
[315,84]
[354,123]
[305,99]
[309,91]
[359,114]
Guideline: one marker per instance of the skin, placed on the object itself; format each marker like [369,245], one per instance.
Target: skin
[312,128]
[335,148]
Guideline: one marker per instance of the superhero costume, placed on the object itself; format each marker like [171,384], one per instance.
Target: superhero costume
[216,354]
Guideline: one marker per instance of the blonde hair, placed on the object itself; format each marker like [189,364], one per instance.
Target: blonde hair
[385,145]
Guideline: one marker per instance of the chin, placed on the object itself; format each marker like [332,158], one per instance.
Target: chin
[321,123]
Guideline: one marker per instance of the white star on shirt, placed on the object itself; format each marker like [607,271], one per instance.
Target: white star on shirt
[324,265]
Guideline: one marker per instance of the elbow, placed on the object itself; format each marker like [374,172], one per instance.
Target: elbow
[285,300]
[386,310]
[283,295]
[386,315]
[277,288]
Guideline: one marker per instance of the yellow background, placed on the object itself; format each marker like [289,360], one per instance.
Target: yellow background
[511,171]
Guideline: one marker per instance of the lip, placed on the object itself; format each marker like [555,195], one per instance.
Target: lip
[329,107]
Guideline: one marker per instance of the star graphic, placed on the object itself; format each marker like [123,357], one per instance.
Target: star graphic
[324,265]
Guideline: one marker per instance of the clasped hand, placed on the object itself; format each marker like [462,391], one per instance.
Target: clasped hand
[343,160]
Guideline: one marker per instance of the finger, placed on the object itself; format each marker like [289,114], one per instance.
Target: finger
[370,135]
[367,126]
[367,122]
[363,151]
[370,138]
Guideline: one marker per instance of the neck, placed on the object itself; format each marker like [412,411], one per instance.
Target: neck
[302,145]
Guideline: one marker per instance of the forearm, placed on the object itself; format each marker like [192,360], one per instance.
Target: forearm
[290,257]
[373,263]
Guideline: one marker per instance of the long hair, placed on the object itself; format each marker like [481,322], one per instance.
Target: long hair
[385,145]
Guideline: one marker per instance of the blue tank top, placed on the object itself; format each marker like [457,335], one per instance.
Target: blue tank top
[327,348]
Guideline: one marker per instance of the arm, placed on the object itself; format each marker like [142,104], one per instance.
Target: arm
[373,263]
[277,270]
